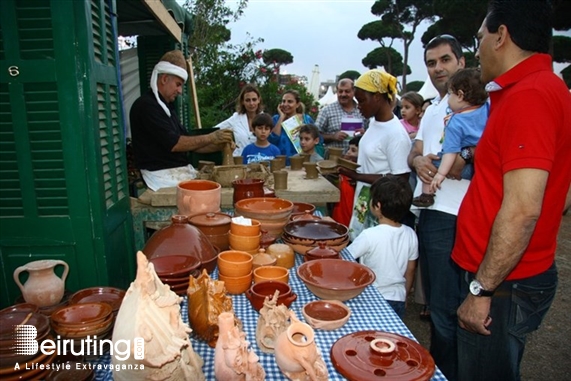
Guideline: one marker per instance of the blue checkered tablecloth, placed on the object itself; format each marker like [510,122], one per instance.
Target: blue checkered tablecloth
[369,311]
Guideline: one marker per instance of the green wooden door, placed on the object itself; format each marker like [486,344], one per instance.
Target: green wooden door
[63,191]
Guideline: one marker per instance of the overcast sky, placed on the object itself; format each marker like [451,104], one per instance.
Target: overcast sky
[320,32]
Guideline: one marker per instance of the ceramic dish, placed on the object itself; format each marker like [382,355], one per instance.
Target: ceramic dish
[309,232]
[335,278]
[175,265]
[112,296]
[234,263]
[326,314]
[302,207]
[267,289]
[10,319]
[82,314]
[372,355]
[347,164]
[21,307]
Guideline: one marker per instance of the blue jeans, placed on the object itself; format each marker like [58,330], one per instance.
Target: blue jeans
[518,307]
[399,307]
[441,282]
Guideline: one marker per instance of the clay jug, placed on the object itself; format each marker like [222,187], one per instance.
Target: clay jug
[247,188]
[198,196]
[297,355]
[43,287]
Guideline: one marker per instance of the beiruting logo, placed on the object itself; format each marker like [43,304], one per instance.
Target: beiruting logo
[26,344]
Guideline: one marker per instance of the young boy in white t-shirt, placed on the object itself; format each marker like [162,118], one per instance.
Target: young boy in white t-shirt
[390,249]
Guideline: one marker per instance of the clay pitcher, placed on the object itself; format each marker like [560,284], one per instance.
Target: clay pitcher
[247,188]
[297,355]
[43,287]
[198,196]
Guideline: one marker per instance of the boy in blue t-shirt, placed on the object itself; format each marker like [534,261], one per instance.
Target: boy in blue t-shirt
[261,150]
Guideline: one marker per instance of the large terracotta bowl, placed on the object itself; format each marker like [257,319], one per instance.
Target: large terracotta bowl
[310,232]
[302,207]
[273,213]
[335,279]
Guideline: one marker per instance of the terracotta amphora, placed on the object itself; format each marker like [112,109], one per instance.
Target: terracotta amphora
[297,355]
[43,287]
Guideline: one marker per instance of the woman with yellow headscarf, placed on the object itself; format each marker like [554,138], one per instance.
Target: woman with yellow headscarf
[384,147]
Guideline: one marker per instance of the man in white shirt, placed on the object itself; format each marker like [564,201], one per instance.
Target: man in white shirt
[437,223]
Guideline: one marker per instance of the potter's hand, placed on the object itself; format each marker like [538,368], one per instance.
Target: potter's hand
[222,137]
[424,168]
[473,314]
[340,136]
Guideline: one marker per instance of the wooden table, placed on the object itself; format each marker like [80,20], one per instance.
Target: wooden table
[154,208]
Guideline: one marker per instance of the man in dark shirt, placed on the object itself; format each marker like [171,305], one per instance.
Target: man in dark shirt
[160,142]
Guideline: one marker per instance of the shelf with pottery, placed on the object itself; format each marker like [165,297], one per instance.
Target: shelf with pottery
[315,191]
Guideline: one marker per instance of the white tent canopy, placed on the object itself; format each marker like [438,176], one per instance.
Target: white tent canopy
[328,98]
[428,91]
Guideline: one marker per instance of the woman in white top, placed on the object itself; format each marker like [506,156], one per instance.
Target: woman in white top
[384,147]
[248,105]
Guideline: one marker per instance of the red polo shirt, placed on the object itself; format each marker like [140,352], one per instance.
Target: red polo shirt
[529,127]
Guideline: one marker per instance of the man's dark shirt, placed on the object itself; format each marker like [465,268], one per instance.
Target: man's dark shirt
[154,134]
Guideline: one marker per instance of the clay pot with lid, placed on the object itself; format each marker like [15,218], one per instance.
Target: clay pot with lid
[181,238]
[215,226]
[321,252]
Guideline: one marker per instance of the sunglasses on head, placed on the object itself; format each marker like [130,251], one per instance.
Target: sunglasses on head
[443,36]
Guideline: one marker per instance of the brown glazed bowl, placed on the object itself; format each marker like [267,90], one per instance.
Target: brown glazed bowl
[303,249]
[236,285]
[245,230]
[259,291]
[21,307]
[245,243]
[234,263]
[276,273]
[173,266]
[110,295]
[335,279]
[309,232]
[302,207]
[326,314]
[264,208]
[82,314]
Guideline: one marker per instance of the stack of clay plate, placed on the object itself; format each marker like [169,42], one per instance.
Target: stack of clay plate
[175,271]
[10,318]
[110,295]
[303,235]
[77,321]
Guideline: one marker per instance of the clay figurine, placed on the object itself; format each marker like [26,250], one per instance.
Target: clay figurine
[273,320]
[206,300]
[233,361]
[150,310]
[297,354]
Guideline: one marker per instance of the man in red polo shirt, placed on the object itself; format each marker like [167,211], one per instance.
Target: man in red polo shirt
[510,216]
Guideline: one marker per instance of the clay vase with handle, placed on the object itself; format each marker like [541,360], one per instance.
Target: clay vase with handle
[297,355]
[43,287]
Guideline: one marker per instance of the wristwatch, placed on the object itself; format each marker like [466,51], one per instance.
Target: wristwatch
[477,289]
[466,154]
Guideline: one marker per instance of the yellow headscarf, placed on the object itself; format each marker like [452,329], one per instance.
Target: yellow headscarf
[378,81]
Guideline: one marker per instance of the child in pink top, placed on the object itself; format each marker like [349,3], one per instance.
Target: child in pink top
[411,109]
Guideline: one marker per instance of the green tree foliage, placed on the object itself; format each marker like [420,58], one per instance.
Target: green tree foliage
[459,18]
[395,16]
[414,86]
[387,57]
[351,74]
[277,58]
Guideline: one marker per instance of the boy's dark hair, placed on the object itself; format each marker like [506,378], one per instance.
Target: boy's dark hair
[262,119]
[355,140]
[445,39]
[310,129]
[394,194]
[529,22]
[469,82]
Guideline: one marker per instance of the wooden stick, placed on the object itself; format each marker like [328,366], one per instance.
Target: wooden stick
[192,90]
